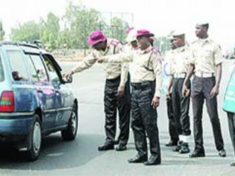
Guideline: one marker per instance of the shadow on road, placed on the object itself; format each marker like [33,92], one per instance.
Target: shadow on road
[55,154]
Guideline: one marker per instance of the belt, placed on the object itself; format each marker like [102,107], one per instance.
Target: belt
[179,75]
[204,75]
[114,79]
[142,85]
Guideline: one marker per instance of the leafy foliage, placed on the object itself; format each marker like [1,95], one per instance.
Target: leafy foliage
[70,31]
[2,32]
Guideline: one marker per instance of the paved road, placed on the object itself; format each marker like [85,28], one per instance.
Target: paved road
[82,158]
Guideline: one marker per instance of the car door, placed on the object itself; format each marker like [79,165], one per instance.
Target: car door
[45,91]
[62,93]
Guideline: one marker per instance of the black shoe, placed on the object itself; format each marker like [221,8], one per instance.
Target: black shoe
[232,164]
[153,160]
[197,153]
[178,147]
[171,144]
[184,148]
[106,147]
[138,159]
[121,147]
[222,153]
[116,142]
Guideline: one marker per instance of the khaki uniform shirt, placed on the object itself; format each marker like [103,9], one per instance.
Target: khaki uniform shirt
[113,70]
[167,61]
[140,60]
[206,55]
[180,60]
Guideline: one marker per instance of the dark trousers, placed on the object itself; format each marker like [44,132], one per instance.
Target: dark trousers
[231,125]
[112,103]
[172,124]
[201,88]
[144,119]
[181,107]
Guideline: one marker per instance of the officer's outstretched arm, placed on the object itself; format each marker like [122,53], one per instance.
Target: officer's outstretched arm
[116,58]
[86,63]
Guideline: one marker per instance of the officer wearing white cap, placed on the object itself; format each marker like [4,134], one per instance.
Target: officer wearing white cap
[206,64]
[172,123]
[179,66]
[131,39]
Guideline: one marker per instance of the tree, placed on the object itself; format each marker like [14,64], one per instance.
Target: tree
[77,23]
[81,22]
[50,31]
[2,32]
[117,29]
[29,32]
[163,43]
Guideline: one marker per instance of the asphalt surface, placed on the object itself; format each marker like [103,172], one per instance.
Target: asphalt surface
[81,156]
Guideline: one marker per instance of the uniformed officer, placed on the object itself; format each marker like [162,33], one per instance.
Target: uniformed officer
[172,124]
[117,90]
[131,40]
[207,65]
[146,83]
[179,66]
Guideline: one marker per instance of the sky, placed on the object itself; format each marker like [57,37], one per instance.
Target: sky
[158,16]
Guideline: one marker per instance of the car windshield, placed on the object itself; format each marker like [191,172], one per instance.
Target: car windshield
[1,71]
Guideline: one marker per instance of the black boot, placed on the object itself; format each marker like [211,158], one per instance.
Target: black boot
[197,153]
[153,160]
[171,143]
[184,148]
[138,159]
[178,147]
[106,147]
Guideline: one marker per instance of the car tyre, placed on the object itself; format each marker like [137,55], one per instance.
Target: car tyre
[70,132]
[35,140]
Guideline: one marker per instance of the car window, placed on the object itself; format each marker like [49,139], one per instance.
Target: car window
[40,68]
[18,66]
[51,70]
[32,69]
[1,71]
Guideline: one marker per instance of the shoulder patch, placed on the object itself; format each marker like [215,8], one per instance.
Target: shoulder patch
[115,42]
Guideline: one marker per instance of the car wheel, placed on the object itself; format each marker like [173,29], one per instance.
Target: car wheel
[71,131]
[34,140]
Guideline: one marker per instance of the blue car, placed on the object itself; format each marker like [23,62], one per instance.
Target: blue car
[34,99]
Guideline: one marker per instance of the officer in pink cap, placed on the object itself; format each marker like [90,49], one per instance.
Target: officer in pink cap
[146,81]
[117,90]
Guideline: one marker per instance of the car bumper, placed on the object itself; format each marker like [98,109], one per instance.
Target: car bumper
[15,126]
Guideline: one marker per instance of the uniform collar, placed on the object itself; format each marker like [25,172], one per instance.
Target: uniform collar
[107,48]
[181,49]
[205,40]
[147,50]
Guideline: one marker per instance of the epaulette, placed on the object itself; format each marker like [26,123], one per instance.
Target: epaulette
[155,50]
[114,42]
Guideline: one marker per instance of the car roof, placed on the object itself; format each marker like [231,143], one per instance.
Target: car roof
[27,47]
[30,48]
